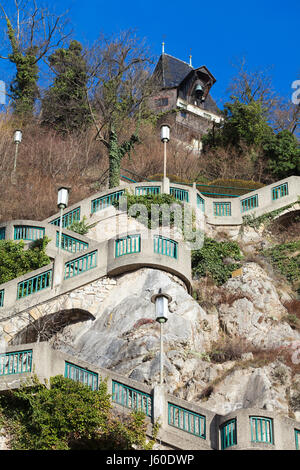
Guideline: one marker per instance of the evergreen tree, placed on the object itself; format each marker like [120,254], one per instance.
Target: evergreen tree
[246,129]
[32,32]
[64,106]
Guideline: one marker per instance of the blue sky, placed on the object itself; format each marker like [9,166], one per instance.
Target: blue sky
[218,33]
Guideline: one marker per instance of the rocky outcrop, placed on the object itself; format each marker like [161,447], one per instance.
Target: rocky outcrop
[125,337]
[249,306]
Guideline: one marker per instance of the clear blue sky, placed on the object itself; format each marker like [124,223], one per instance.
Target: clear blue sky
[218,33]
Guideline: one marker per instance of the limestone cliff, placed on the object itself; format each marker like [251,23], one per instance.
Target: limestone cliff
[246,313]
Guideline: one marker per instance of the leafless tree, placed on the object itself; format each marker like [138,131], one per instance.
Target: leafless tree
[120,86]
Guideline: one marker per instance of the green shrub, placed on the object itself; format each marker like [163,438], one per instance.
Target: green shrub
[68,415]
[15,261]
[286,259]
[79,227]
[209,260]
[147,201]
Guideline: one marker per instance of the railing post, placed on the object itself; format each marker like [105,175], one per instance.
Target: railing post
[166,186]
[9,232]
[58,270]
[193,197]
[159,410]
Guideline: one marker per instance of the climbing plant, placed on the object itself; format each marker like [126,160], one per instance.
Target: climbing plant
[68,415]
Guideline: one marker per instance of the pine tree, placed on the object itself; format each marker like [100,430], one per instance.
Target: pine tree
[64,106]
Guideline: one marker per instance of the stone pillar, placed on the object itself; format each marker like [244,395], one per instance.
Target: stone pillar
[58,270]
[160,412]
[166,186]
[193,196]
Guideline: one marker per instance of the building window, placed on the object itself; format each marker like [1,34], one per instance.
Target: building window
[183,114]
[161,102]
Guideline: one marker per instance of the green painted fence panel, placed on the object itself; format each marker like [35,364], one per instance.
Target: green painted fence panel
[103,202]
[297,439]
[228,434]
[222,209]
[249,203]
[68,218]
[280,191]
[27,232]
[127,245]
[180,194]
[16,362]
[71,244]
[131,398]
[145,190]
[261,429]
[80,265]
[34,284]
[165,246]
[200,203]
[187,420]
[79,374]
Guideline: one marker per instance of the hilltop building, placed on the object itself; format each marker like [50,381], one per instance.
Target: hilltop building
[185,90]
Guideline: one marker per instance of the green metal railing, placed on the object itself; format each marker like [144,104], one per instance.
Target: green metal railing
[80,265]
[105,201]
[145,190]
[34,284]
[16,362]
[200,203]
[228,434]
[68,218]
[222,209]
[1,297]
[180,194]
[131,398]
[84,376]
[165,246]
[297,439]
[26,232]
[71,244]
[2,233]
[261,429]
[249,203]
[127,245]
[280,191]
[186,420]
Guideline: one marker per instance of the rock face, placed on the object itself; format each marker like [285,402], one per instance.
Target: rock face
[125,337]
[252,309]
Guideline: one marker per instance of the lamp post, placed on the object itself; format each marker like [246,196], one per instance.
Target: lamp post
[17,140]
[161,301]
[165,137]
[62,202]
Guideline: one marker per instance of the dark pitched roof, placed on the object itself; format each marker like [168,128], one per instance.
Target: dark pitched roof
[171,71]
